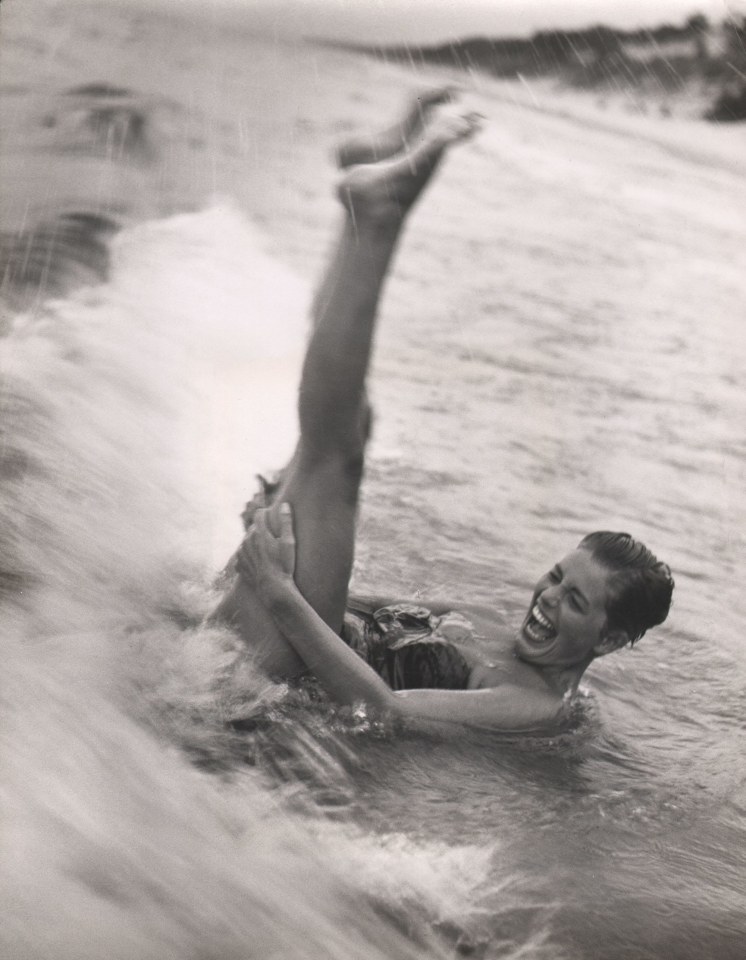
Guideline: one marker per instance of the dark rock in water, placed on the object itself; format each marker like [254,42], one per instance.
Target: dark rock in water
[75,170]
[100,90]
[54,256]
[98,118]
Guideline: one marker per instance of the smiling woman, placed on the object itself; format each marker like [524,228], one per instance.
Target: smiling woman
[602,596]
[289,605]
[566,624]
[529,682]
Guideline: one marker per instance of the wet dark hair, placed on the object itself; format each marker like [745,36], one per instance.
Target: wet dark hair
[640,585]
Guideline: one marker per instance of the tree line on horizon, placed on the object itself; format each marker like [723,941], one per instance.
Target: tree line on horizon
[659,61]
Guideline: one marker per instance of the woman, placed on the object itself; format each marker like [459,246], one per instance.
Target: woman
[290,599]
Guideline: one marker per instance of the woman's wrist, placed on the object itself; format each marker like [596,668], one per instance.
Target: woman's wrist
[277,591]
[289,609]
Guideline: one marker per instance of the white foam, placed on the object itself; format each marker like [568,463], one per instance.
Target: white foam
[231,322]
[113,844]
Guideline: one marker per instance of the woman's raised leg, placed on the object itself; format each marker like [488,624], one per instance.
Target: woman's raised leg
[322,481]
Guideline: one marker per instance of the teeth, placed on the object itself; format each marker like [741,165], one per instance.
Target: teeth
[538,615]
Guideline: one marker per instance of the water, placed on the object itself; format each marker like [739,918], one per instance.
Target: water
[559,350]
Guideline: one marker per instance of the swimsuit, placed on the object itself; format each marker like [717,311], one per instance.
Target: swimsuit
[408,645]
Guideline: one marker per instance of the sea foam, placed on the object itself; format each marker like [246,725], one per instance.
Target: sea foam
[135,414]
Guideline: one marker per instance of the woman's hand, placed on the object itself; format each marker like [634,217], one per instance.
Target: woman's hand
[267,561]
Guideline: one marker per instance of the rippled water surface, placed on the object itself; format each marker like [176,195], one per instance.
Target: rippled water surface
[560,349]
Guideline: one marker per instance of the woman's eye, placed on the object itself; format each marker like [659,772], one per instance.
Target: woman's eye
[555,576]
[575,603]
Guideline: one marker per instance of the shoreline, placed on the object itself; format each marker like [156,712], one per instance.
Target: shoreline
[679,134]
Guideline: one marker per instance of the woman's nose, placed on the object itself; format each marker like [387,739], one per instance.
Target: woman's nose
[552,595]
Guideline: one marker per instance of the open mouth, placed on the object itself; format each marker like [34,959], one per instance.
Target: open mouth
[537,627]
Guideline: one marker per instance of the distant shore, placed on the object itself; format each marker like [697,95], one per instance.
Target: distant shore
[697,69]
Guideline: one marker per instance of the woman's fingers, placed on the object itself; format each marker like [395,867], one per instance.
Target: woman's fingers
[259,523]
[262,551]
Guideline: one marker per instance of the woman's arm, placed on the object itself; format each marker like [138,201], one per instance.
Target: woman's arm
[268,562]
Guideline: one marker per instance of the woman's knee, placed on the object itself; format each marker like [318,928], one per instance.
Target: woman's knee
[351,459]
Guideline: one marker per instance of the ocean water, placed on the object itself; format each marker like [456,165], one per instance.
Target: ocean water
[560,349]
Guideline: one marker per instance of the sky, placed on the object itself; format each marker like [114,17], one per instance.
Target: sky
[428,21]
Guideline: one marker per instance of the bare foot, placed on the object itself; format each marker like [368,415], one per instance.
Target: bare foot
[383,193]
[373,147]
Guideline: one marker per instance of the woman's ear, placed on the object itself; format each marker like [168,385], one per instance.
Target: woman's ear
[611,641]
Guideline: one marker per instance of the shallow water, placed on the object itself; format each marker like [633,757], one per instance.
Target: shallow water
[559,350]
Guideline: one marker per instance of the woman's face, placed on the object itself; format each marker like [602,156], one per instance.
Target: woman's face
[567,615]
